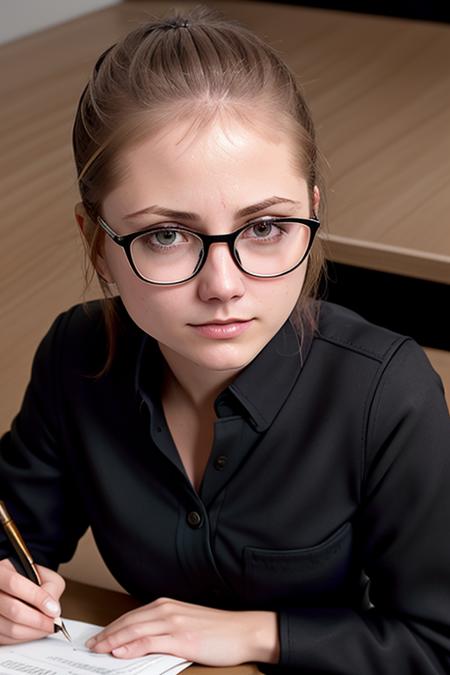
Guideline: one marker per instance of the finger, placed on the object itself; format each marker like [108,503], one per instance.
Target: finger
[7,564]
[14,584]
[5,640]
[52,582]
[130,633]
[17,612]
[12,633]
[138,615]
[158,644]
[53,590]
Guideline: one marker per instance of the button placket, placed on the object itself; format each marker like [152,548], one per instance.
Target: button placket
[223,460]
[220,462]
[196,555]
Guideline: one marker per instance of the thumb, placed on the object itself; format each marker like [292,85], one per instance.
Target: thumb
[50,606]
[53,585]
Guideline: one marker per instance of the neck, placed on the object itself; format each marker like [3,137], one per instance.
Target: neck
[195,385]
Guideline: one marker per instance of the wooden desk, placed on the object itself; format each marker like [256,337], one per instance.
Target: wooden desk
[379,89]
[97,605]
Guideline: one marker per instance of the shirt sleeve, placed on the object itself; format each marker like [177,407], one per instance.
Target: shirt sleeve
[403,540]
[34,476]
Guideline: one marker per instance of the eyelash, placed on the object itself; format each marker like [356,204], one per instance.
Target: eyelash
[174,226]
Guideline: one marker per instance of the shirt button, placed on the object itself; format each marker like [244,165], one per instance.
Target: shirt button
[220,462]
[194,519]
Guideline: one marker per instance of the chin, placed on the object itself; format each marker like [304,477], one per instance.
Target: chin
[224,357]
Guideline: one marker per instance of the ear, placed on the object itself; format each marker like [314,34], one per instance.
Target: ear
[316,200]
[82,218]
[87,228]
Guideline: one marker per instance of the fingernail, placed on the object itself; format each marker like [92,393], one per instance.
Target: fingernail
[53,607]
[119,651]
[90,643]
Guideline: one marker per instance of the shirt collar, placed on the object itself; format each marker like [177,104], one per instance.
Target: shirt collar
[149,368]
[260,389]
[264,385]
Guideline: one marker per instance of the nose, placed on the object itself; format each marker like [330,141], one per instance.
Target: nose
[220,279]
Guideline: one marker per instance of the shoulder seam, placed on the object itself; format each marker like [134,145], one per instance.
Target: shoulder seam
[360,349]
[369,414]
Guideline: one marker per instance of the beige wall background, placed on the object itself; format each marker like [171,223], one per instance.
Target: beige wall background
[22,17]
[22,21]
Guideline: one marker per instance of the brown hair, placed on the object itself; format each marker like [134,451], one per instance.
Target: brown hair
[194,63]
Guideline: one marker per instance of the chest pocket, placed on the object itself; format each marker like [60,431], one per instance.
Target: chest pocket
[321,575]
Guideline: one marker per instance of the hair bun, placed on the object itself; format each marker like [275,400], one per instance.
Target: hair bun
[176,23]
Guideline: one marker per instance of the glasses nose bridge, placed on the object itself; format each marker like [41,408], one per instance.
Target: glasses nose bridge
[209,239]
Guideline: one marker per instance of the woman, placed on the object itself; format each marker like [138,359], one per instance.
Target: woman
[268,474]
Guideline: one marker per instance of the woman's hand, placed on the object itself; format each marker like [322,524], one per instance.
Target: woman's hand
[212,637]
[27,611]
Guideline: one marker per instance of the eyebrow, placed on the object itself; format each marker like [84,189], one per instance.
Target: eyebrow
[194,217]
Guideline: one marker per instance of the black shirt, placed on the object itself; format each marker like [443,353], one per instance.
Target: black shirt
[330,467]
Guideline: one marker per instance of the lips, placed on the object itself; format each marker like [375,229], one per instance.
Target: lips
[223,329]
[220,322]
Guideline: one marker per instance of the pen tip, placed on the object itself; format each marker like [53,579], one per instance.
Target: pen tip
[59,626]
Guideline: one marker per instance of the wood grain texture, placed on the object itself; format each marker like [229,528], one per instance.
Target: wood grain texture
[379,89]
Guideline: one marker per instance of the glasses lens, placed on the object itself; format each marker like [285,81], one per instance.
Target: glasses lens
[167,256]
[269,248]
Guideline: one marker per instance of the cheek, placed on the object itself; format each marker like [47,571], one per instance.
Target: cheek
[155,303]
[152,308]
[132,290]
[280,294]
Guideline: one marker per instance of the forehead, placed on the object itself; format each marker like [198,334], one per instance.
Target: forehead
[228,160]
[219,136]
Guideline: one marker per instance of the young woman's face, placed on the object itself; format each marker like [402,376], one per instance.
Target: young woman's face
[213,173]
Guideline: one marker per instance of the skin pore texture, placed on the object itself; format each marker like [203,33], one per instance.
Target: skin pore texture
[215,172]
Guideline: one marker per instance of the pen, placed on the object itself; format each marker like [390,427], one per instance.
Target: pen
[25,558]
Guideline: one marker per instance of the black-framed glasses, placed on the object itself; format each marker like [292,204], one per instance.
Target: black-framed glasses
[172,254]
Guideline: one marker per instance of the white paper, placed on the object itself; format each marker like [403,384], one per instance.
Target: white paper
[55,655]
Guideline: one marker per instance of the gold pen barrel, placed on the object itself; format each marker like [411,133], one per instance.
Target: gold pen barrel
[4,515]
[20,547]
